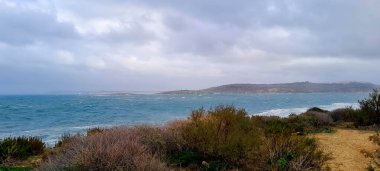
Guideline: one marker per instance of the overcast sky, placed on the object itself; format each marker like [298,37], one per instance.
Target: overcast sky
[93,45]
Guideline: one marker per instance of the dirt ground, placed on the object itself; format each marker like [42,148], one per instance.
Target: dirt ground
[346,148]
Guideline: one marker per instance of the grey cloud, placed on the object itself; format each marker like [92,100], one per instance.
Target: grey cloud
[188,35]
[337,28]
[21,27]
[135,34]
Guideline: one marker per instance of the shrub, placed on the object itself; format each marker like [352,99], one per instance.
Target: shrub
[152,137]
[317,109]
[20,147]
[320,118]
[224,132]
[367,115]
[362,118]
[67,138]
[358,117]
[277,125]
[290,153]
[113,149]
[15,168]
[93,131]
[371,106]
[309,122]
[228,136]
[343,114]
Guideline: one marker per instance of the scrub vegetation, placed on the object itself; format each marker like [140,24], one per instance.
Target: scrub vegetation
[223,138]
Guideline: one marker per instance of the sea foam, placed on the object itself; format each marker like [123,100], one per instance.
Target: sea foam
[287,111]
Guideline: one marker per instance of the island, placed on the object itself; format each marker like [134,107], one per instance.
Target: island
[296,87]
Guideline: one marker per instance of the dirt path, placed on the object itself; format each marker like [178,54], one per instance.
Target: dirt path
[346,148]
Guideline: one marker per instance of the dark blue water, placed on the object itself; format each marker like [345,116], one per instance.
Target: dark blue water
[49,116]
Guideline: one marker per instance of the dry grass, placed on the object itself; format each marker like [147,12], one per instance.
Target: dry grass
[113,149]
[296,153]
[346,148]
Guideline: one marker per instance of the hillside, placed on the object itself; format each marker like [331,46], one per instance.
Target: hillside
[297,87]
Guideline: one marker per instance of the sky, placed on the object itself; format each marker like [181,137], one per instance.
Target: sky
[49,46]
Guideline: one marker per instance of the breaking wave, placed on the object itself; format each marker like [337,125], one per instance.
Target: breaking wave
[286,112]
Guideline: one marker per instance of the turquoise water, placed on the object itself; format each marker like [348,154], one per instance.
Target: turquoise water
[49,116]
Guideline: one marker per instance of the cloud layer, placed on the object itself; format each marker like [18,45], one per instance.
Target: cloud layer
[48,46]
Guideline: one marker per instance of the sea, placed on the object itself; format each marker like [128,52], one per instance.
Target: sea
[51,116]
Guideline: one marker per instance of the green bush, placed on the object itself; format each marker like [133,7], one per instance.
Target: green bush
[20,147]
[277,125]
[367,115]
[358,117]
[290,153]
[311,122]
[371,106]
[252,143]
[224,132]
[343,114]
[15,168]
[362,118]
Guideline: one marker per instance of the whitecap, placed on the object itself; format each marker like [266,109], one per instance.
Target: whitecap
[287,111]
[339,105]
[92,126]
[282,112]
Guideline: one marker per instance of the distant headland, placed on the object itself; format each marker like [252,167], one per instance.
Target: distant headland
[296,87]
